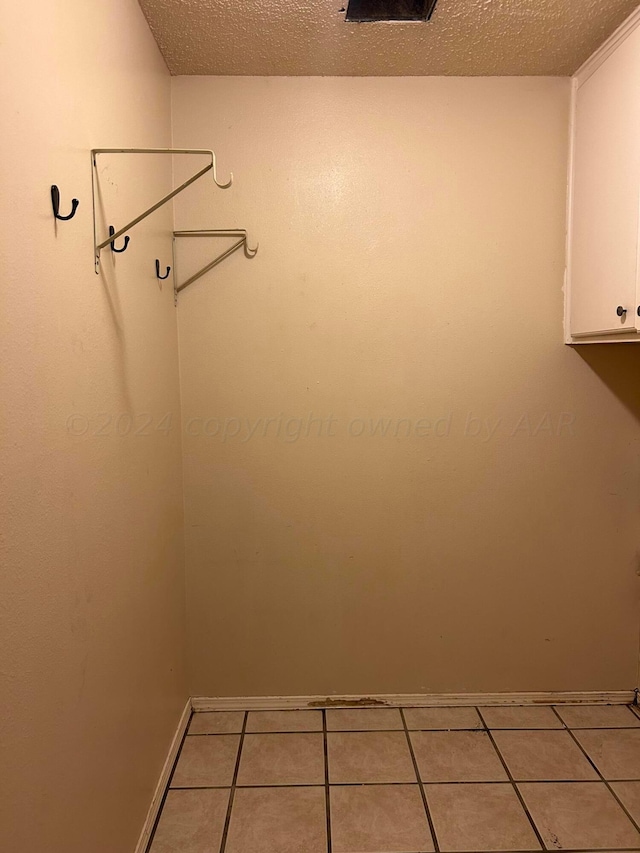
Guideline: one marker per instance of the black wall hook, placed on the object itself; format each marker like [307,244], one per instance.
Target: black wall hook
[55,203]
[112,231]
[162,277]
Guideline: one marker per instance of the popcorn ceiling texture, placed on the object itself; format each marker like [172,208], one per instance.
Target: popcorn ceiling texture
[464,37]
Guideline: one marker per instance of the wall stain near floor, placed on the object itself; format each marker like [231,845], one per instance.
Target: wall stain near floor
[346,703]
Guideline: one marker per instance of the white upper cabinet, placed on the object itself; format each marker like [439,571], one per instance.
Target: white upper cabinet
[603,294]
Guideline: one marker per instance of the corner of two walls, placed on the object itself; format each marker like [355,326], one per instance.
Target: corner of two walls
[398,479]
[93,633]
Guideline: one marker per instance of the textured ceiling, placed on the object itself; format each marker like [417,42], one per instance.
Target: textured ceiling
[311,37]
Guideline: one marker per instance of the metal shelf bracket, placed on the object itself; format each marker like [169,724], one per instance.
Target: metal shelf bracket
[232,232]
[98,245]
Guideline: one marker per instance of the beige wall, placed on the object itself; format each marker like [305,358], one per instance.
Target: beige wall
[92,589]
[410,267]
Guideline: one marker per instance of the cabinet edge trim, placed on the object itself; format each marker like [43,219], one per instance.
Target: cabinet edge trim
[607,48]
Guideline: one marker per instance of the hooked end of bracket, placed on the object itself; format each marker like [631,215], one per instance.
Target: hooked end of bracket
[224,186]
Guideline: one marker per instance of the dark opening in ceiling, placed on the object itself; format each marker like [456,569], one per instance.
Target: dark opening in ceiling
[390,10]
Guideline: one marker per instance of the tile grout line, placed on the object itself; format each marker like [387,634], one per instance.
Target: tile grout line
[227,820]
[416,770]
[168,785]
[543,846]
[476,729]
[595,767]
[326,779]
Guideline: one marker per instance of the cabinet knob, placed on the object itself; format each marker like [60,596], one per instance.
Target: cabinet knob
[638,310]
[620,311]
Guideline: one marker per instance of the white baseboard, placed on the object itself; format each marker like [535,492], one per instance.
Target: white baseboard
[163,781]
[420,700]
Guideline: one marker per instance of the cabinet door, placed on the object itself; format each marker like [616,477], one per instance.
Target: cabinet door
[606,195]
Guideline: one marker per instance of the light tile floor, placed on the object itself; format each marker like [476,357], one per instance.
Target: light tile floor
[411,780]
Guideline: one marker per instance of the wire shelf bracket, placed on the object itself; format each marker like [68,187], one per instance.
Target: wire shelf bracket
[231,232]
[98,245]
